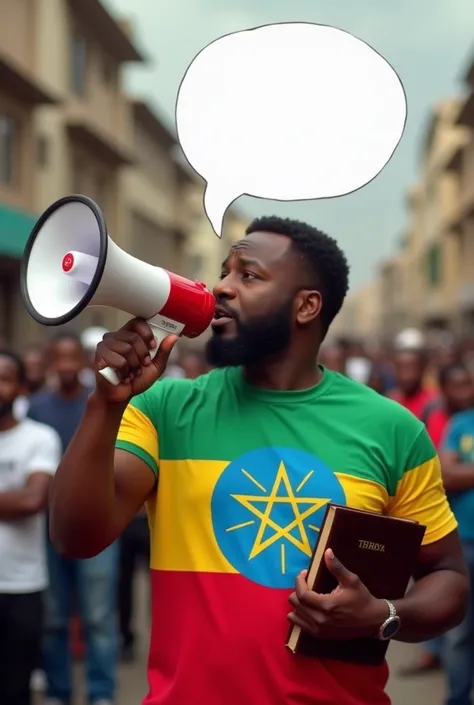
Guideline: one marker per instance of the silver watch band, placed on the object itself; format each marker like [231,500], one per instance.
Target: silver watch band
[391,609]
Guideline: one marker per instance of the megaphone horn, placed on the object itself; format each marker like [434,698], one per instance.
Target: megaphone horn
[70,262]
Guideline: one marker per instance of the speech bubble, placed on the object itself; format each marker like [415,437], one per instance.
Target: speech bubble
[288,112]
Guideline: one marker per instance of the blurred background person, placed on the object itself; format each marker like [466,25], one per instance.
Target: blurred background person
[411,390]
[456,394]
[35,365]
[134,554]
[457,464]
[88,586]
[193,364]
[334,358]
[29,455]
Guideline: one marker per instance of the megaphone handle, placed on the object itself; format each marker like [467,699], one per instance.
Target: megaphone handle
[159,333]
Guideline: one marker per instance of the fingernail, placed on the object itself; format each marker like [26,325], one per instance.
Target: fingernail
[153,343]
[147,360]
[330,553]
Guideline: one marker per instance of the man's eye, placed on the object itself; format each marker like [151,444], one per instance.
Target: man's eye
[248,275]
[223,275]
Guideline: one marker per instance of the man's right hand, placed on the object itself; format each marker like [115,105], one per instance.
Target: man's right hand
[128,352]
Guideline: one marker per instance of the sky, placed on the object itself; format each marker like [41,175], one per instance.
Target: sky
[429,44]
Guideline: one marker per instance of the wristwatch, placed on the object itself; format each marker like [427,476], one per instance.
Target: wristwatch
[391,625]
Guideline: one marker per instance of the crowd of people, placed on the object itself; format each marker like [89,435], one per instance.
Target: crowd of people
[88,610]
[437,387]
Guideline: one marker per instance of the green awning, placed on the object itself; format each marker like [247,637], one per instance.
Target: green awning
[15,228]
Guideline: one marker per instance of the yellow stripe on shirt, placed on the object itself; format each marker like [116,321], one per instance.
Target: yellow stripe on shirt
[420,496]
[181,524]
[138,435]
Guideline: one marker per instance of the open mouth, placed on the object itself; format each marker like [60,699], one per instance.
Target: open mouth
[221,317]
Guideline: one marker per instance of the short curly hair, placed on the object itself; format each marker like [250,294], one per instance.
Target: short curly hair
[17,361]
[325,263]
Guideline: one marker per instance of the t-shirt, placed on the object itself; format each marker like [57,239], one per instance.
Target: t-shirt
[460,439]
[62,414]
[28,448]
[416,403]
[20,407]
[436,419]
[244,477]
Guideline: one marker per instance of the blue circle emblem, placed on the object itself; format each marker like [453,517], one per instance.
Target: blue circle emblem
[267,508]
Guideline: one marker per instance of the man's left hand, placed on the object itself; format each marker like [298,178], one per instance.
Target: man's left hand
[349,610]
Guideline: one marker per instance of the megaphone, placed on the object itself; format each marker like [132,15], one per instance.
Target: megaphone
[70,262]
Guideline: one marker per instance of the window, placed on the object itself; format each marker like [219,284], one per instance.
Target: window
[100,194]
[433,266]
[8,136]
[78,63]
[43,152]
[79,175]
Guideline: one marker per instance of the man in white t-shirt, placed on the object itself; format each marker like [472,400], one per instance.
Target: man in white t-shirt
[29,455]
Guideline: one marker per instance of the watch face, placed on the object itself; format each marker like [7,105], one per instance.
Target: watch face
[391,629]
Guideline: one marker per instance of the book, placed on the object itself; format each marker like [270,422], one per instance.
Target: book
[383,551]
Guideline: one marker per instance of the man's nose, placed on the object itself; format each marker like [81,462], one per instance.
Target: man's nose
[224,289]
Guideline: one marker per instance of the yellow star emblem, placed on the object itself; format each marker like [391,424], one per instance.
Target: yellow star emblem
[275,497]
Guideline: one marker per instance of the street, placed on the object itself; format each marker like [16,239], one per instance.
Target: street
[133,685]
[411,691]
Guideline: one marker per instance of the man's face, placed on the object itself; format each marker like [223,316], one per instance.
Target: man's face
[9,385]
[256,307]
[35,368]
[68,361]
[409,371]
[459,391]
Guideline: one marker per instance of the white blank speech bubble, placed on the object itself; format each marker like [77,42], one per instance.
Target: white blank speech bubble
[288,112]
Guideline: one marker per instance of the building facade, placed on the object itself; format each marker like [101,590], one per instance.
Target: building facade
[68,126]
[462,221]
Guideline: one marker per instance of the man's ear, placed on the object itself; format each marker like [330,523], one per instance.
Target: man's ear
[309,304]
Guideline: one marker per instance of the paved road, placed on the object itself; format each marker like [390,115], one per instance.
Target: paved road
[426,690]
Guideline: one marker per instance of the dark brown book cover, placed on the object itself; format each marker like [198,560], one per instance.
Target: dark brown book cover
[383,551]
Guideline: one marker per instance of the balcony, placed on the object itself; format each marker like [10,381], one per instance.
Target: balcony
[86,130]
[113,36]
[23,86]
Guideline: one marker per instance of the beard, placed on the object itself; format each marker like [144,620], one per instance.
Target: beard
[35,386]
[6,409]
[258,338]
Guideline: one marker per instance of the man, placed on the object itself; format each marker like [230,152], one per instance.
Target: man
[248,458]
[134,550]
[456,394]
[93,583]
[34,361]
[411,391]
[193,365]
[334,358]
[29,455]
[458,473]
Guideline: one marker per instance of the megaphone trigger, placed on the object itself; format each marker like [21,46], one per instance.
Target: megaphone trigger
[161,327]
